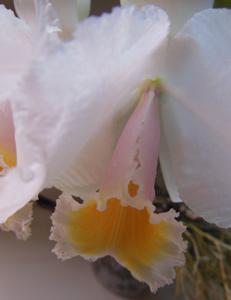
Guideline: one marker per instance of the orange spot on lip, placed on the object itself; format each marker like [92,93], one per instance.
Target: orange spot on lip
[124,232]
[9,158]
[133,189]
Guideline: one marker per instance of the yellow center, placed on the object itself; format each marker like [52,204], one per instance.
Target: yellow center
[124,232]
[9,158]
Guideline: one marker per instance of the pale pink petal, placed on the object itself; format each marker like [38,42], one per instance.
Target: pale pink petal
[136,154]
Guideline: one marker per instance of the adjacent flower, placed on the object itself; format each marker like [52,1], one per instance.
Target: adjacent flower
[179,11]
[34,36]
[196,117]
[14,65]
[68,13]
[119,219]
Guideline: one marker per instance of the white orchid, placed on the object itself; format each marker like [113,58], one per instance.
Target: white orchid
[73,135]
[83,95]
[23,40]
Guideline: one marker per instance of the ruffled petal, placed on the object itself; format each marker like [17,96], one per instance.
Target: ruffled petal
[196,122]
[149,245]
[20,222]
[179,11]
[89,108]
[69,12]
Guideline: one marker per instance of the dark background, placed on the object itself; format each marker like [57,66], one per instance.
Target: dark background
[96,7]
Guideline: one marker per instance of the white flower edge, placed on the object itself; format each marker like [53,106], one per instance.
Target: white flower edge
[20,222]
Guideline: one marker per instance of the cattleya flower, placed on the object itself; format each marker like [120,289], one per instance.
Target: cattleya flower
[129,39]
[32,36]
[85,134]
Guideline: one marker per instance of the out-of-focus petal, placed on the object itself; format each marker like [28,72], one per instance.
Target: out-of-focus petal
[196,117]
[89,108]
[179,11]
[20,222]
[20,45]
[69,12]
[15,51]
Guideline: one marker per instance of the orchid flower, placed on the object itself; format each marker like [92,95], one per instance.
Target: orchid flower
[77,132]
[83,96]
[194,112]
[32,35]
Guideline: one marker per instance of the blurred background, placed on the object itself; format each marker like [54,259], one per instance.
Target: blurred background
[96,9]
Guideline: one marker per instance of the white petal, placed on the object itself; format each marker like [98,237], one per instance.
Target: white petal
[196,117]
[15,50]
[179,11]
[18,187]
[20,222]
[69,12]
[78,112]
[18,45]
